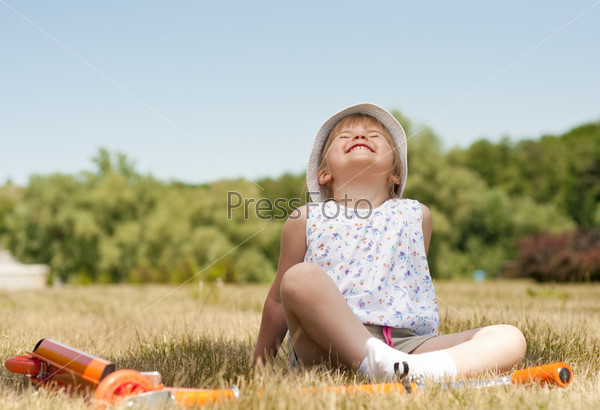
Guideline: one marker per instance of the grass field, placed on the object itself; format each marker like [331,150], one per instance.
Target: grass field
[204,336]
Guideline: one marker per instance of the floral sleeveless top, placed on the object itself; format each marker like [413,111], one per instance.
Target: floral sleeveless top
[377,259]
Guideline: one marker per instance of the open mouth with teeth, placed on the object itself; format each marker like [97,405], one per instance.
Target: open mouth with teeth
[360,147]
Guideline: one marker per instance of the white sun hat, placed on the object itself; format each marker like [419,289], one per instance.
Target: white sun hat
[392,125]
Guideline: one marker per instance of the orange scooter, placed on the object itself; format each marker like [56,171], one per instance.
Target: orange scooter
[52,364]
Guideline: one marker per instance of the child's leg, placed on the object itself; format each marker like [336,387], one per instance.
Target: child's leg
[491,348]
[320,322]
[324,328]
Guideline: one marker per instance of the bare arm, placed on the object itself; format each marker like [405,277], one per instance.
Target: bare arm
[427,226]
[273,325]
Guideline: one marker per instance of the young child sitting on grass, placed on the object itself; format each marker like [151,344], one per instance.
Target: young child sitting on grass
[353,286]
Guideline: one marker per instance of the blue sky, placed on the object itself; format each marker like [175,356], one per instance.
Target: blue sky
[197,91]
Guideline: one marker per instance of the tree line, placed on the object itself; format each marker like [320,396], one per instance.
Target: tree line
[114,225]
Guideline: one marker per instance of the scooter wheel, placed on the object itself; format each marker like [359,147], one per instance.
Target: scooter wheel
[119,385]
[24,364]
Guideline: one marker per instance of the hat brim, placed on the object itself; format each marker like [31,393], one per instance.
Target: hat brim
[392,125]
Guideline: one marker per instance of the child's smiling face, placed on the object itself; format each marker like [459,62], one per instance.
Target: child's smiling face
[359,145]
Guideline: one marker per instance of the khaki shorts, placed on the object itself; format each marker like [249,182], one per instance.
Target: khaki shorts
[404,340]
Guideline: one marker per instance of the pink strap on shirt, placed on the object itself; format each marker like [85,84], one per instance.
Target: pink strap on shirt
[387,334]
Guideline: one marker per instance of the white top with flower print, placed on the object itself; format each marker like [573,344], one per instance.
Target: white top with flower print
[377,259]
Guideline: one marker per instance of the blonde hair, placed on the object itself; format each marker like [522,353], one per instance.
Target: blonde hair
[351,121]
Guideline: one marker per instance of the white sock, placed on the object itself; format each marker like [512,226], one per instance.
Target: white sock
[381,359]
[364,367]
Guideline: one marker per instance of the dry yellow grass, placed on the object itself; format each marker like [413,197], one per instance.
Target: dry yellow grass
[203,337]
